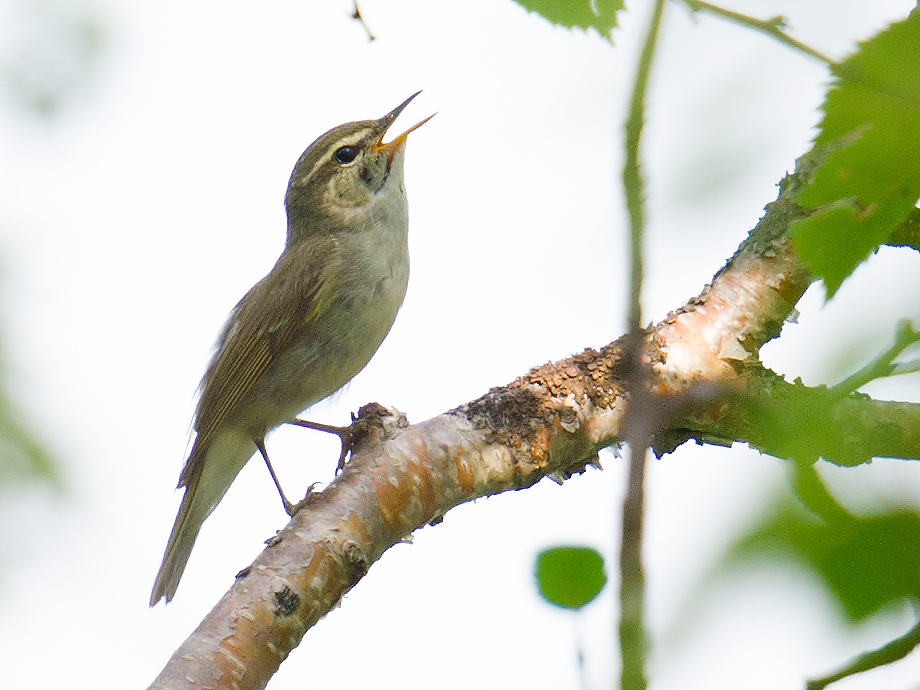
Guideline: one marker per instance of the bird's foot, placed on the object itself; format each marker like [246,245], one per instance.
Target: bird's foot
[369,417]
[300,505]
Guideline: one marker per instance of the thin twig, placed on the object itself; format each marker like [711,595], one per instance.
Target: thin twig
[632,175]
[641,413]
[632,584]
[356,15]
[881,366]
[771,27]
[891,652]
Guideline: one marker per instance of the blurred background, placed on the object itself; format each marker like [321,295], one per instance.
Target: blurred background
[144,153]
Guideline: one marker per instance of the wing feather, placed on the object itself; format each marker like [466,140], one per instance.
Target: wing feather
[271,316]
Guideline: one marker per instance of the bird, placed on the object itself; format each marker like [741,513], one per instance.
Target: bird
[310,325]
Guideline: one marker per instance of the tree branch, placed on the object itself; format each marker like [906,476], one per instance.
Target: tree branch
[705,377]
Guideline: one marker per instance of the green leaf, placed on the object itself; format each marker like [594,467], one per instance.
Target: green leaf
[871,180]
[23,457]
[865,562]
[580,14]
[570,576]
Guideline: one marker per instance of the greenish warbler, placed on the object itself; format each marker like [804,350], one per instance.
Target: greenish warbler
[310,325]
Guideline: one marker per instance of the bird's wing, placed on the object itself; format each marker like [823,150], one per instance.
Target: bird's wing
[262,325]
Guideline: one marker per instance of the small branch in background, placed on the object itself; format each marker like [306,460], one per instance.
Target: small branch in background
[881,366]
[356,15]
[771,27]
[891,652]
[641,412]
[632,578]
[633,185]
[579,624]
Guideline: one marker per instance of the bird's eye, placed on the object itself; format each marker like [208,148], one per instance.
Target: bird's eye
[346,154]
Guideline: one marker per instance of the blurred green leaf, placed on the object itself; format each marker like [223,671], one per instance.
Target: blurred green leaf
[796,423]
[53,54]
[865,562]
[570,576]
[580,14]
[871,179]
[22,456]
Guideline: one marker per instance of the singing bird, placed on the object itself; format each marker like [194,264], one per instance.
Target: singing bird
[310,325]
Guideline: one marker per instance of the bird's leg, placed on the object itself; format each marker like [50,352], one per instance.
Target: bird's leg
[346,435]
[319,426]
[369,417]
[290,508]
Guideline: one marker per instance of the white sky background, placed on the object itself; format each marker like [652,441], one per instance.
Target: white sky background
[129,229]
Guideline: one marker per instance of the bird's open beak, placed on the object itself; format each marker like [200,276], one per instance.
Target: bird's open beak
[393,146]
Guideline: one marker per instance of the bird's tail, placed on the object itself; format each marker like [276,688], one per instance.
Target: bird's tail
[205,486]
[192,514]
